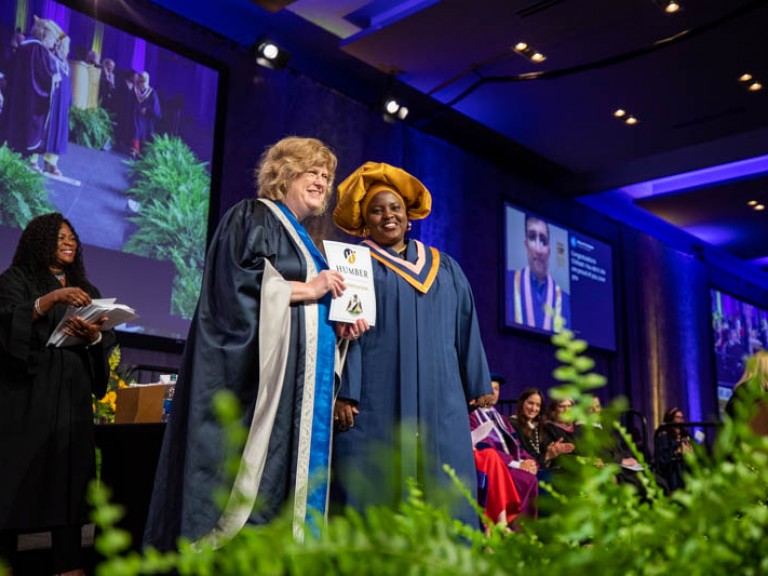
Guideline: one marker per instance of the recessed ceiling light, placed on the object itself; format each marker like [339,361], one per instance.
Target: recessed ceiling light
[760,207]
[669,6]
[631,120]
[745,77]
[755,86]
[524,49]
[620,113]
[752,203]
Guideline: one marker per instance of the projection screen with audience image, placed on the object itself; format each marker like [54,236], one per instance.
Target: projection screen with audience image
[118,134]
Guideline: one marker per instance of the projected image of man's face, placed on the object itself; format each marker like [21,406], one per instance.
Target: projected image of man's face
[537,247]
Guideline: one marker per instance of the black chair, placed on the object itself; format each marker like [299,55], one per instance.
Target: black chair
[506,407]
[636,424]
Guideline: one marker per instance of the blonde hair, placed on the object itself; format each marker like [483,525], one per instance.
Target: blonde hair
[44,29]
[282,162]
[756,369]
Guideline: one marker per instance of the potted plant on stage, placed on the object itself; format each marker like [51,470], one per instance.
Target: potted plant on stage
[104,409]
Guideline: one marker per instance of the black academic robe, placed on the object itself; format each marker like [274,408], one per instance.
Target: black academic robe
[273,356]
[30,81]
[146,114]
[46,412]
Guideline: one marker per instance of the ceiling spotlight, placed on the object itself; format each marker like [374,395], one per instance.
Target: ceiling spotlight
[625,116]
[669,6]
[760,207]
[394,110]
[391,106]
[525,50]
[752,203]
[270,55]
[750,82]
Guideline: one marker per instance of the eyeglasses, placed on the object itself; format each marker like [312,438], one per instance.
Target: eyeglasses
[315,175]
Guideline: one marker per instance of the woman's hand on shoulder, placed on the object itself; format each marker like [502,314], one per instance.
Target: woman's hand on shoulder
[349,331]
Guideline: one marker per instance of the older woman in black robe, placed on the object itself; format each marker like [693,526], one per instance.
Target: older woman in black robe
[31,78]
[261,330]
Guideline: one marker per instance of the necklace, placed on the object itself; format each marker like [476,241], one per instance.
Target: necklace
[535,437]
[60,276]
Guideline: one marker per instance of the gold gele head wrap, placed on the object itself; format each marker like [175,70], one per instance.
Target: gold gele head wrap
[357,190]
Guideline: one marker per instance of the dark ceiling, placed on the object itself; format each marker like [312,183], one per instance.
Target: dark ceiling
[678,74]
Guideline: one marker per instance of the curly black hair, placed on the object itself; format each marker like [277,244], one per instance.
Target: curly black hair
[36,252]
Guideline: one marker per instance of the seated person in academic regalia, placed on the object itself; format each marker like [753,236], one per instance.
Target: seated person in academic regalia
[492,431]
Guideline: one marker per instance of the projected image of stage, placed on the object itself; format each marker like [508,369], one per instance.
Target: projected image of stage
[132,171]
[740,329]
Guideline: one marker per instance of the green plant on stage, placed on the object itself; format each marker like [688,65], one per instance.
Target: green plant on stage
[716,525]
[172,188]
[90,127]
[22,191]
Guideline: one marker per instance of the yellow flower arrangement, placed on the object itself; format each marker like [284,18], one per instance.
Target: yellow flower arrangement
[104,409]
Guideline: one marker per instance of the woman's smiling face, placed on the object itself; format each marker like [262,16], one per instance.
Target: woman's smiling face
[532,406]
[386,219]
[66,247]
[307,193]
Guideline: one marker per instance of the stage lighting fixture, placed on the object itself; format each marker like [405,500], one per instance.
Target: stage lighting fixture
[270,55]
[394,110]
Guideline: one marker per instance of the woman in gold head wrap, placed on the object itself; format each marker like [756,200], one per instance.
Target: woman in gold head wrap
[401,410]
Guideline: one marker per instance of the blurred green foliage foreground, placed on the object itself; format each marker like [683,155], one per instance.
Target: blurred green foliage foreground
[716,525]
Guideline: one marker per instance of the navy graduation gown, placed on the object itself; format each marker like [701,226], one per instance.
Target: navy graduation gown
[417,368]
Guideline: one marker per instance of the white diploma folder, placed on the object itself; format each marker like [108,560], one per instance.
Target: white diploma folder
[359,299]
[116,314]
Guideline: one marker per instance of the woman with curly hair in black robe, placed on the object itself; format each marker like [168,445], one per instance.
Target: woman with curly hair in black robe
[46,414]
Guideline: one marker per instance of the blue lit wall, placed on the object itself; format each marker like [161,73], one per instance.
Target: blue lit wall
[664,339]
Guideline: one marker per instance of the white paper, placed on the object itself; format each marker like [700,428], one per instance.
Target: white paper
[481,432]
[116,314]
[359,299]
